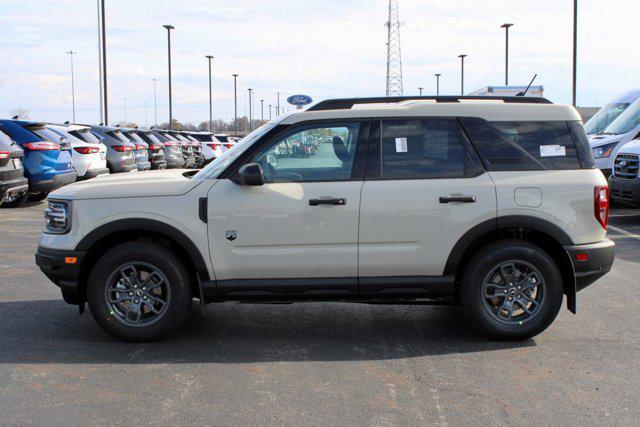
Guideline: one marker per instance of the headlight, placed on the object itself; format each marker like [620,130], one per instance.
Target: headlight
[603,150]
[58,217]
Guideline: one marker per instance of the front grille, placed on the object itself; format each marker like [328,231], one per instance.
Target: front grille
[626,166]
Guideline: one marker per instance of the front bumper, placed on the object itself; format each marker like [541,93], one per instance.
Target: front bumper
[57,265]
[59,180]
[13,188]
[625,190]
[599,259]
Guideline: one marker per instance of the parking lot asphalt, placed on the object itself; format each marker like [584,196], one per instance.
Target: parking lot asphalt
[316,364]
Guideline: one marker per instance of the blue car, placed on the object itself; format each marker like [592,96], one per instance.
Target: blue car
[47,157]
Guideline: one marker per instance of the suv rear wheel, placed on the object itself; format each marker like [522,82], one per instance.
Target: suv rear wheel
[139,291]
[511,290]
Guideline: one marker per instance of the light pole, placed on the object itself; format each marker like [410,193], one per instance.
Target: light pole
[420,89]
[437,83]
[506,53]
[278,106]
[169,28]
[146,122]
[235,104]
[104,63]
[462,73]
[100,62]
[125,111]
[262,110]
[250,115]
[155,103]
[73,89]
[269,112]
[575,51]
[209,57]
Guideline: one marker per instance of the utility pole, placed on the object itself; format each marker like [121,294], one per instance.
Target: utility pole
[235,104]
[437,83]
[269,112]
[104,64]
[262,110]
[169,28]
[278,106]
[125,111]
[146,122]
[420,89]
[394,56]
[73,89]
[506,53]
[462,73]
[155,103]
[250,115]
[575,52]
[209,57]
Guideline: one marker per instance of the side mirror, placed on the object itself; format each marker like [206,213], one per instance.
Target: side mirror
[250,174]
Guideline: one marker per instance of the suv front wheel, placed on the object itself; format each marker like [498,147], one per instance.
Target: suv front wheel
[139,291]
[511,290]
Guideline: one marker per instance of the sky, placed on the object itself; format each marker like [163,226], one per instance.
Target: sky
[325,49]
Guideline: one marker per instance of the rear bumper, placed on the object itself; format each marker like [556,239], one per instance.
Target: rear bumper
[175,163]
[143,166]
[598,263]
[56,265]
[15,187]
[158,164]
[625,190]
[59,180]
[92,173]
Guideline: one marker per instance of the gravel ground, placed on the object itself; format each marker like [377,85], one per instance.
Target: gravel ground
[315,364]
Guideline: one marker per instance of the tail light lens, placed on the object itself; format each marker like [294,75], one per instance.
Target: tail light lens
[601,205]
[214,146]
[155,147]
[41,146]
[4,155]
[122,148]
[170,143]
[86,150]
[140,147]
[228,145]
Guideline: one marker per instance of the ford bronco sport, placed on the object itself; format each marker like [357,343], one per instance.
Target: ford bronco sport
[491,203]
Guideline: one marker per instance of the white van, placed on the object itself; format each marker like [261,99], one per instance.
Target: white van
[607,143]
[610,112]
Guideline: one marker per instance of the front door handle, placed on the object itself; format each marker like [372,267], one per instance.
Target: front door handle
[328,201]
[456,198]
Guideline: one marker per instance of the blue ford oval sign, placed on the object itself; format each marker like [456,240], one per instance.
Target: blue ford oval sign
[299,100]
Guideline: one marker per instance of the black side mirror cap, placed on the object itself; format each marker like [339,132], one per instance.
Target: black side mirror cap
[250,174]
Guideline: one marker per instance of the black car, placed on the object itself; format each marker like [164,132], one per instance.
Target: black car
[14,187]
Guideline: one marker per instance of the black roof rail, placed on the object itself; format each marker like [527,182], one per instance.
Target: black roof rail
[347,103]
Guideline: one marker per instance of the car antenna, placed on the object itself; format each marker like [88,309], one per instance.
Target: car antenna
[101,124]
[527,89]
[67,122]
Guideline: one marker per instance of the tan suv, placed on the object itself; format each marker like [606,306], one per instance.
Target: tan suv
[491,203]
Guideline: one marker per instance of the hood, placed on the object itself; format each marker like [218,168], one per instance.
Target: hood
[600,140]
[124,185]
[632,147]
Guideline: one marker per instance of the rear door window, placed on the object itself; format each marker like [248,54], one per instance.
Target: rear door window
[550,143]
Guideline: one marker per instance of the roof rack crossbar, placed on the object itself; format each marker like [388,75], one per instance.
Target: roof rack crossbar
[347,103]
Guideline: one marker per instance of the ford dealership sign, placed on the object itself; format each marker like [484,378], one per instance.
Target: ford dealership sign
[299,100]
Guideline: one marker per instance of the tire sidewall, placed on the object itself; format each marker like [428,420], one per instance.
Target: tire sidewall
[160,258]
[485,261]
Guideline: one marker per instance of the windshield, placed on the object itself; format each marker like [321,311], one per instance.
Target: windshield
[47,134]
[5,140]
[151,138]
[219,164]
[134,137]
[119,136]
[604,117]
[222,138]
[85,135]
[627,121]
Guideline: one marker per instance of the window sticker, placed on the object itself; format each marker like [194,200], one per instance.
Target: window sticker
[401,145]
[552,151]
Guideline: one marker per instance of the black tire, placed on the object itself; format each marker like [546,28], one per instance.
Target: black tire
[479,309]
[15,203]
[36,197]
[177,285]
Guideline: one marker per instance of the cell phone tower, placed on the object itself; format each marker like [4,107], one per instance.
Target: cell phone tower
[394,58]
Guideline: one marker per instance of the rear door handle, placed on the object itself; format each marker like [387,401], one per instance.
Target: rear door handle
[459,199]
[328,201]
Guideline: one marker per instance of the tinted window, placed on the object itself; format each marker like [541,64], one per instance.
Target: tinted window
[5,141]
[582,145]
[418,149]
[550,143]
[309,153]
[86,135]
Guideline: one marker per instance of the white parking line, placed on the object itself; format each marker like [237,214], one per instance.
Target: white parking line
[624,233]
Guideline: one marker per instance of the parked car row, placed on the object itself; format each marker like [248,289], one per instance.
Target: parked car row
[37,158]
[614,137]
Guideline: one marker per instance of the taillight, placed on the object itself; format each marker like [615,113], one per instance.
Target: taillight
[4,155]
[140,147]
[86,150]
[41,146]
[122,148]
[215,145]
[155,147]
[228,145]
[170,144]
[601,205]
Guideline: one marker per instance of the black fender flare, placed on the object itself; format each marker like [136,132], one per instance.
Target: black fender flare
[143,224]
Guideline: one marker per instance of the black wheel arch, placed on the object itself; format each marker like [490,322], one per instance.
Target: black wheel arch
[106,236]
[545,234]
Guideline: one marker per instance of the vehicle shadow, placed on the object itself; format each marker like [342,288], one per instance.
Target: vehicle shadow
[51,331]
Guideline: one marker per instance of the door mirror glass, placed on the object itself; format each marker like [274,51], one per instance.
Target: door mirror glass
[250,174]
